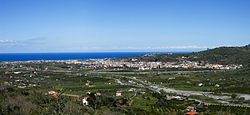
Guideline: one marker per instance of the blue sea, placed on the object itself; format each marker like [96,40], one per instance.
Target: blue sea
[72,56]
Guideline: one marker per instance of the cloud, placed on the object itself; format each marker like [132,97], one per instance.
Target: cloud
[25,45]
[7,41]
[21,42]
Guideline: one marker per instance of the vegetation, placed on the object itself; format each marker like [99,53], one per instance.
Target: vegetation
[221,55]
[25,87]
[224,55]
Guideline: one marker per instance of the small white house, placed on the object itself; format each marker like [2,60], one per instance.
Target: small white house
[180,98]
[131,89]
[52,93]
[85,101]
[200,84]
[17,72]
[217,85]
[144,68]
[98,94]
[118,93]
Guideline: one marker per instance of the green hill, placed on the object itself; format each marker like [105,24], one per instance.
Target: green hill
[221,55]
[224,55]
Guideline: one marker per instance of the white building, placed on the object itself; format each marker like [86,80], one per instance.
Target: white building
[85,101]
[118,93]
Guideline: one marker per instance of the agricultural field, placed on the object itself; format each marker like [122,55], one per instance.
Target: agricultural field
[59,88]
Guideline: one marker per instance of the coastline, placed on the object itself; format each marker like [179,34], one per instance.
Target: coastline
[21,57]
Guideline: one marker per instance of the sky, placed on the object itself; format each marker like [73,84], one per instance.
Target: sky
[122,25]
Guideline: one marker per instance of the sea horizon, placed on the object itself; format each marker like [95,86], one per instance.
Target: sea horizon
[10,57]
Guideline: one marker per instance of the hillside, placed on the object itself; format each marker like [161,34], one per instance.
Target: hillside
[224,55]
[221,55]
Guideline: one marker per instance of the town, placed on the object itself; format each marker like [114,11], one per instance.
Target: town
[121,64]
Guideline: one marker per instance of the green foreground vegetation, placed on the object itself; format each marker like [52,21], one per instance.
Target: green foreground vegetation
[60,88]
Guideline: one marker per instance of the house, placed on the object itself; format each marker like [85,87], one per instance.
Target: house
[217,85]
[200,84]
[88,83]
[130,81]
[53,94]
[144,68]
[171,78]
[118,93]
[98,94]
[17,72]
[90,96]
[190,108]
[133,59]
[178,98]
[85,101]
[191,113]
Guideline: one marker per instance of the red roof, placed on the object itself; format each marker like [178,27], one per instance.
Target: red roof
[191,113]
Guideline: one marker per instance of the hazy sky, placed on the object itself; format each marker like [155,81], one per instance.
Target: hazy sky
[122,25]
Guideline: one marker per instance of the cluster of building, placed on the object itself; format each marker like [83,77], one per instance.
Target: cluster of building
[21,79]
[133,63]
[119,64]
